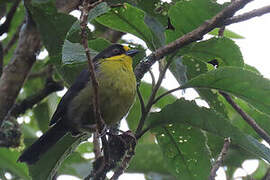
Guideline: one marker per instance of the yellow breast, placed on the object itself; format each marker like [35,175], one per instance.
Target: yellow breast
[117,87]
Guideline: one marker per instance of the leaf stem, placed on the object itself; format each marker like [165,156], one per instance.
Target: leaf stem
[247,118]
[220,159]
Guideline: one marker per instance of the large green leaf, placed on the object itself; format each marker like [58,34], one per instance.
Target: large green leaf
[76,165]
[245,84]
[185,16]
[8,161]
[195,67]
[46,167]
[128,19]
[41,114]
[53,26]
[222,49]
[188,113]
[74,34]
[148,158]
[185,150]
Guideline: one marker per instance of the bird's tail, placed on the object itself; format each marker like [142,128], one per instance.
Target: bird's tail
[43,144]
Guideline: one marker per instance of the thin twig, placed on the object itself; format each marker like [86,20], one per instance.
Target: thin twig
[140,134]
[43,72]
[5,26]
[151,98]
[14,39]
[153,78]
[97,150]
[140,99]
[165,94]
[247,118]
[120,170]
[1,58]
[50,87]
[86,7]
[220,158]
[221,31]
[248,15]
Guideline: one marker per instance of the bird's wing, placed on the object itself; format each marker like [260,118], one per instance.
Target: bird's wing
[76,87]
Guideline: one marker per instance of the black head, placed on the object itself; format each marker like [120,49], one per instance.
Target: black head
[115,50]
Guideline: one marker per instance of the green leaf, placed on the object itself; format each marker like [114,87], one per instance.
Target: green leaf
[75,53]
[185,16]
[48,164]
[41,114]
[188,113]
[196,67]
[53,26]
[249,86]
[128,19]
[148,158]
[8,161]
[222,49]
[185,150]
[74,35]
[227,33]
[158,176]
[157,31]
[74,58]
[261,170]
[179,70]
[75,165]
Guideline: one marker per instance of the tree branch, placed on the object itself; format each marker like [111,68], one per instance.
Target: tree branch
[1,58]
[248,15]
[50,87]
[220,159]
[190,37]
[247,118]
[15,73]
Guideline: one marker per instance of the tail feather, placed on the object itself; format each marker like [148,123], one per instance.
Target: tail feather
[43,144]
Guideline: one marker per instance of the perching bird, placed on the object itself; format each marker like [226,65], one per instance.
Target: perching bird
[74,114]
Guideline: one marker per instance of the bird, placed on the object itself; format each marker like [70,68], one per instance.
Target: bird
[74,113]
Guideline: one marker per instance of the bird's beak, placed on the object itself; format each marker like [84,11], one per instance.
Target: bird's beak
[132,52]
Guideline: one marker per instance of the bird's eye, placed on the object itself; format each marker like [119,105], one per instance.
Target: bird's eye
[116,51]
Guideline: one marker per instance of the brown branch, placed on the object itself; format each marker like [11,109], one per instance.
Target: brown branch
[153,78]
[15,73]
[97,150]
[140,99]
[43,72]
[248,15]
[120,170]
[1,58]
[220,159]
[5,26]
[50,87]
[247,118]
[86,7]
[152,98]
[190,37]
